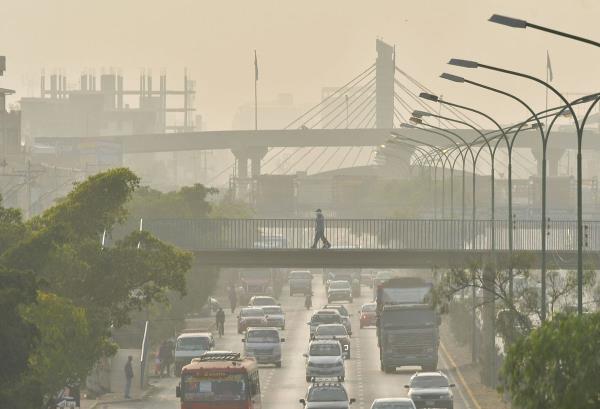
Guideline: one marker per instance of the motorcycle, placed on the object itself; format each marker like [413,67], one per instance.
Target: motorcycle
[308,301]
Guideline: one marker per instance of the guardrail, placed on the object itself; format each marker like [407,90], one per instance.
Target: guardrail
[381,234]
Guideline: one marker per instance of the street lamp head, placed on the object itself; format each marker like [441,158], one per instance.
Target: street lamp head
[463,63]
[429,97]
[508,21]
[535,125]
[452,77]
[405,125]
[416,120]
[420,114]
[589,98]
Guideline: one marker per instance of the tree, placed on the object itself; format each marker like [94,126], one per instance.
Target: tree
[96,288]
[189,202]
[66,343]
[556,365]
[18,337]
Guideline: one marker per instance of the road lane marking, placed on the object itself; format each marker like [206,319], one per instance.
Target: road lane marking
[448,357]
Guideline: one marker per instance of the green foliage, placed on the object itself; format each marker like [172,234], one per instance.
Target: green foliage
[230,208]
[87,289]
[460,321]
[66,343]
[18,337]
[557,366]
[189,202]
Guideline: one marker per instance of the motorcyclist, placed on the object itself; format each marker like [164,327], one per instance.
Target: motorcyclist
[308,301]
[220,318]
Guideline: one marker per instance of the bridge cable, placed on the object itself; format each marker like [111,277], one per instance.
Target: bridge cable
[335,94]
[341,105]
[356,104]
[456,111]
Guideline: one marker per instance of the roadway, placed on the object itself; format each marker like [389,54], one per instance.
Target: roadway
[287,138]
[281,388]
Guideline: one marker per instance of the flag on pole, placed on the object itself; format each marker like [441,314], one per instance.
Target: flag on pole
[255,67]
[549,73]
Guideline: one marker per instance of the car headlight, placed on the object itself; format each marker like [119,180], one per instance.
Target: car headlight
[340,361]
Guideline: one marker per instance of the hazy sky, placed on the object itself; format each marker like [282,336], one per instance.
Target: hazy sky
[302,45]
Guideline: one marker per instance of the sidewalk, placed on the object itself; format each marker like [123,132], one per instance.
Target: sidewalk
[482,397]
[112,398]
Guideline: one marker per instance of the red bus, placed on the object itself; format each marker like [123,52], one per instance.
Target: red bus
[220,380]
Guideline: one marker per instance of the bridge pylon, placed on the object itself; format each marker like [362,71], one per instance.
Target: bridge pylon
[384,85]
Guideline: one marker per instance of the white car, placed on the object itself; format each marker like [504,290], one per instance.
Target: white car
[264,344]
[331,395]
[275,316]
[393,403]
[325,359]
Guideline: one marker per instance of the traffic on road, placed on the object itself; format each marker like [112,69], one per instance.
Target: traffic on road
[311,358]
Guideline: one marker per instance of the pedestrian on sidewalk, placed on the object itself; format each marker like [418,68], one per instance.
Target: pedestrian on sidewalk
[220,318]
[320,231]
[163,356]
[128,376]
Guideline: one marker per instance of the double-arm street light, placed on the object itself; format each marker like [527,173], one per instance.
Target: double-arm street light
[579,130]
[519,23]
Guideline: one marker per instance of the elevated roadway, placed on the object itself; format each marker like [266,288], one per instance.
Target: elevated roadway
[289,138]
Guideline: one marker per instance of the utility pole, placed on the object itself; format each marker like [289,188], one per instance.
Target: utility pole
[28,181]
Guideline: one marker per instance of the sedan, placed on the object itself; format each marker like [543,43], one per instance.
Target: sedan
[393,403]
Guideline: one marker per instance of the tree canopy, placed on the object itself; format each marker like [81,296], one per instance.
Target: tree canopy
[557,365]
[63,292]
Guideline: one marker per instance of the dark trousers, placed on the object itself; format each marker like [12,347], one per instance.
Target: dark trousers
[320,236]
[127,386]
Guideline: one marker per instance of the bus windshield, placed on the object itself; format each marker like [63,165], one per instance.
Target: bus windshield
[213,388]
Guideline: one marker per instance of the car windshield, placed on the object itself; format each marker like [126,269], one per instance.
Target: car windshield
[225,387]
[272,310]
[429,382]
[331,330]
[339,285]
[262,336]
[326,319]
[369,307]
[327,395]
[325,350]
[252,313]
[264,301]
[193,344]
[393,405]
[339,308]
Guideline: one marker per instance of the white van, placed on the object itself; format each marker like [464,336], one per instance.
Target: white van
[264,344]
[191,345]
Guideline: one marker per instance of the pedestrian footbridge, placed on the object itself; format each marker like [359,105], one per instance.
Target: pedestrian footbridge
[376,243]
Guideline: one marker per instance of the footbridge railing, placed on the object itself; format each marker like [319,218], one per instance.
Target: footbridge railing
[380,234]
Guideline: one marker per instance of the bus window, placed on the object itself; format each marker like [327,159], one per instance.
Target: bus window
[231,387]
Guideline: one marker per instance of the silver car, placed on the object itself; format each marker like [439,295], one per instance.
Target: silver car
[264,344]
[393,403]
[325,359]
[329,395]
[275,316]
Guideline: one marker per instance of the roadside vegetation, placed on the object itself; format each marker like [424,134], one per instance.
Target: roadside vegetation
[62,292]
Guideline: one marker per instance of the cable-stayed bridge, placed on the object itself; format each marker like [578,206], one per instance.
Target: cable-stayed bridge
[349,123]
